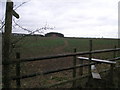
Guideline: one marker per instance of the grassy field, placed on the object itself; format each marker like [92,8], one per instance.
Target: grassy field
[32,46]
[40,46]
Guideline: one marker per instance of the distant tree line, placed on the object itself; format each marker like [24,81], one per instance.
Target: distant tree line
[51,34]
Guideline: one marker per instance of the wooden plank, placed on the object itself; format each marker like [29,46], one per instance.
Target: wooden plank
[90,56]
[81,68]
[15,14]
[96,75]
[94,72]
[97,60]
[74,70]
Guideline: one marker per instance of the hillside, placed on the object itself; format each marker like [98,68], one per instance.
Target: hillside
[34,46]
[39,46]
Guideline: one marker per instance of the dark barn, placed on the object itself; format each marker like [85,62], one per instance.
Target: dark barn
[54,34]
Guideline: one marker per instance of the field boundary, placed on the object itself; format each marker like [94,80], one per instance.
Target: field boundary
[18,76]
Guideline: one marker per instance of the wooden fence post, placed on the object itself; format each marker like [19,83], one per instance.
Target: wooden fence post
[112,68]
[6,45]
[90,56]
[18,84]
[119,46]
[81,68]
[74,70]
[114,53]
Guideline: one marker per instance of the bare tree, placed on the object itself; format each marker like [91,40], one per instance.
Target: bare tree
[40,30]
[2,21]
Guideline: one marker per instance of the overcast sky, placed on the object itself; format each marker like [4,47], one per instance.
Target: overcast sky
[73,18]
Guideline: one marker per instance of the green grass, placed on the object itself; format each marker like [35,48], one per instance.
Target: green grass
[79,44]
[48,43]
[40,46]
[32,46]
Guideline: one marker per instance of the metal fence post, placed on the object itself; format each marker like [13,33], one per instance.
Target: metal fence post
[74,70]
[18,84]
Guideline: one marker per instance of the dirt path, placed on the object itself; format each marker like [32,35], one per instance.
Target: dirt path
[61,48]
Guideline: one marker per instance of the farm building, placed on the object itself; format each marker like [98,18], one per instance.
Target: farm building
[54,34]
